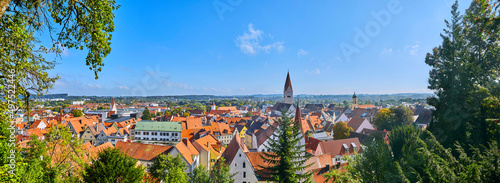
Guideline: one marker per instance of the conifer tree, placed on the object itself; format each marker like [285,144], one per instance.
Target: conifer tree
[286,156]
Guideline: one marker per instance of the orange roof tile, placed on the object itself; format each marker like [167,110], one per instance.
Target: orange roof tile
[142,151]
[205,142]
[193,123]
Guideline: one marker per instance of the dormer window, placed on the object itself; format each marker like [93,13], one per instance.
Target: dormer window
[346,148]
[354,147]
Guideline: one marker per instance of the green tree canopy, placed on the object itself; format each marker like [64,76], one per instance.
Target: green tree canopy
[169,169]
[341,130]
[200,174]
[221,172]
[391,118]
[146,115]
[77,113]
[464,68]
[112,165]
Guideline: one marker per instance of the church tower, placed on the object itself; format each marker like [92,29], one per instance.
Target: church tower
[112,106]
[213,107]
[354,101]
[288,91]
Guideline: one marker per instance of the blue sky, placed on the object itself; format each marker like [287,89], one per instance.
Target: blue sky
[239,47]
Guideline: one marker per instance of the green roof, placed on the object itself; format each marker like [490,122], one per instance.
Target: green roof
[158,126]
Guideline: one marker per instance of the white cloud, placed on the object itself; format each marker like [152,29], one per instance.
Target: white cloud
[301,52]
[386,51]
[250,42]
[123,68]
[412,49]
[338,59]
[123,87]
[94,86]
[313,72]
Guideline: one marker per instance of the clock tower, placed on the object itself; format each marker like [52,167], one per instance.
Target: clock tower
[288,91]
[354,101]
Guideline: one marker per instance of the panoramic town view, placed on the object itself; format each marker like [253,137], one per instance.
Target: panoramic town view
[226,91]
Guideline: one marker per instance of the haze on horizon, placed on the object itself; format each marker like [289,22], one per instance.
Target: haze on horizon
[199,48]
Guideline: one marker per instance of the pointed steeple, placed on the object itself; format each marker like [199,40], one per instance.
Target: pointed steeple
[112,106]
[213,107]
[288,90]
[288,83]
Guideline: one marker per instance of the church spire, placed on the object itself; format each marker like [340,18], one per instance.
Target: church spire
[112,105]
[288,91]
[288,83]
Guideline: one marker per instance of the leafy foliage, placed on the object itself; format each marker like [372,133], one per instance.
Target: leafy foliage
[77,113]
[200,174]
[395,116]
[221,172]
[146,115]
[169,169]
[341,130]
[113,166]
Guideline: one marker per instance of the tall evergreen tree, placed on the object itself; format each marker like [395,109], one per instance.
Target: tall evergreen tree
[463,68]
[286,156]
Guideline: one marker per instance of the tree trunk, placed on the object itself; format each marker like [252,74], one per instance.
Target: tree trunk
[3,6]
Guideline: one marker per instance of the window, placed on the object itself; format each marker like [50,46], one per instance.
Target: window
[243,165]
[166,134]
[354,147]
[346,148]
[212,160]
[240,155]
[244,174]
[235,164]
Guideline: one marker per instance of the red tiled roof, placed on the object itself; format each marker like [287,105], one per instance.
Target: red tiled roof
[355,123]
[335,147]
[233,148]
[193,123]
[186,151]
[141,151]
